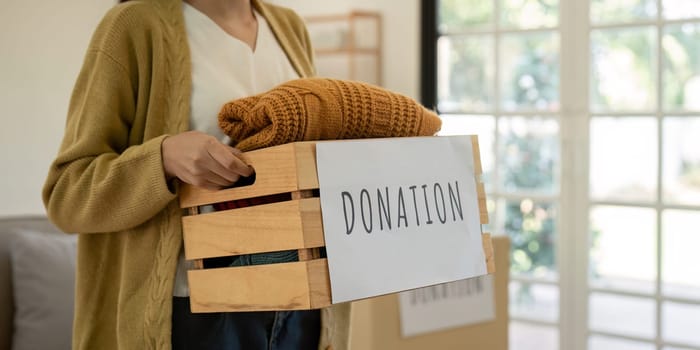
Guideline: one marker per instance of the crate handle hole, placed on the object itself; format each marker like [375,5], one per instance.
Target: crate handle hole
[244,181]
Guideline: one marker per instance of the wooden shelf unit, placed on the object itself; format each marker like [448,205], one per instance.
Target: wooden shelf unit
[348,46]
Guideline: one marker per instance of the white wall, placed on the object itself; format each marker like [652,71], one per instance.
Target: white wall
[43,43]
[401,31]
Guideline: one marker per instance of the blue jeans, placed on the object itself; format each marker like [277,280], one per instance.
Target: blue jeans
[269,330]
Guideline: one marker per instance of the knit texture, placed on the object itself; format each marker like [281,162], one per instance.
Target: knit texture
[107,181]
[310,109]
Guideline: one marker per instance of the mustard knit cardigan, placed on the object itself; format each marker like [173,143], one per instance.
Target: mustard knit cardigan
[107,181]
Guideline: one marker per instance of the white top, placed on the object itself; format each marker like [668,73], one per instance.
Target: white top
[223,69]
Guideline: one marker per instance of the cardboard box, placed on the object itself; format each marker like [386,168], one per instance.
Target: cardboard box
[376,321]
[287,175]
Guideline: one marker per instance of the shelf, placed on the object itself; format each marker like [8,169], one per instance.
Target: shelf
[347,51]
[348,46]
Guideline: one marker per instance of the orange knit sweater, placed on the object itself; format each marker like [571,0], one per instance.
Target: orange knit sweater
[311,109]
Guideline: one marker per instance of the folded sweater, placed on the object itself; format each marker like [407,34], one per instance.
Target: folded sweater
[312,109]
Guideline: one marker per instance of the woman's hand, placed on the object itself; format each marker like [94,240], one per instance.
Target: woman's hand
[201,160]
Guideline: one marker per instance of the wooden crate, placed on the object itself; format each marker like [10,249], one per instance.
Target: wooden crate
[293,224]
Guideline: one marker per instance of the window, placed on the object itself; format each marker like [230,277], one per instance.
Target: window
[588,114]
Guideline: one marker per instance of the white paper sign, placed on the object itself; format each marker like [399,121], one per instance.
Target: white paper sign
[398,214]
[446,306]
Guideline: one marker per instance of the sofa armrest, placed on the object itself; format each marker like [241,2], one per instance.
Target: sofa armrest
[9,227]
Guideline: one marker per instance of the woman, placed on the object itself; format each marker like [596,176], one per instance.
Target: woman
[143,117]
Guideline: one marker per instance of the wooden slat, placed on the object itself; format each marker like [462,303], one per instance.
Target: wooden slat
[312,221]
[481,192]
[319,283]
[477,157]
[309,254]
[277,170]
[305,154]
[342,17]
[302,194]
[488,253]
[198,264]
[251,288]
[344,50]
[277,226]
[481,198]
[326,18]
[305,254]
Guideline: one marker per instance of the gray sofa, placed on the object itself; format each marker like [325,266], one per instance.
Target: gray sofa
[43,272]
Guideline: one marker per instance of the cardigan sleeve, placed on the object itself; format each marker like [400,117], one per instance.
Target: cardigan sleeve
[101,180]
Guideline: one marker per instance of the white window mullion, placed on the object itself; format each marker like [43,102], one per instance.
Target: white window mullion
[659,206]
[642,23]
[659,173]
[519,113]
[572,249]
[531,321]
[500,30]
[643,114]
[533,280]
[495,108]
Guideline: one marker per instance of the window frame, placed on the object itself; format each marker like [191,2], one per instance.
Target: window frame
[574,200]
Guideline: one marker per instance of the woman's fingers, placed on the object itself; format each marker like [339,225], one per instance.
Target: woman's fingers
[201,160]
[229,162]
